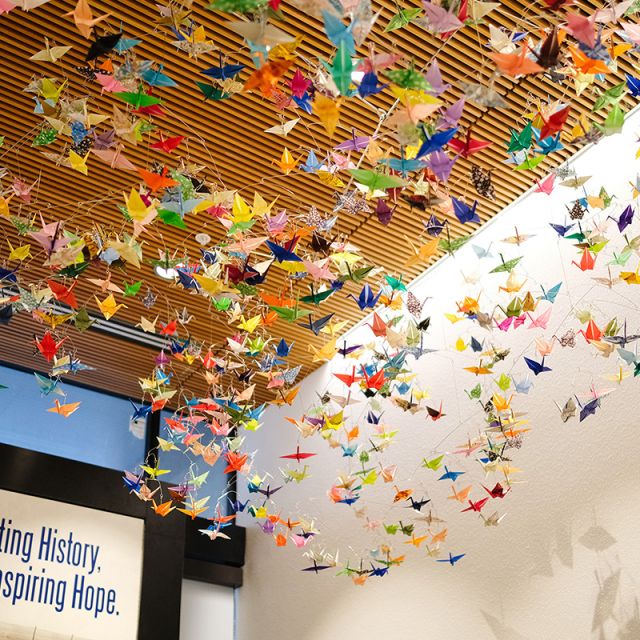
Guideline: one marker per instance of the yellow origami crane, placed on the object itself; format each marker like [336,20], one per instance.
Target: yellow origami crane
[108,306]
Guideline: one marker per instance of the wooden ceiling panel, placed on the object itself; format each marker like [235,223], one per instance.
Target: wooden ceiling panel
[228,139]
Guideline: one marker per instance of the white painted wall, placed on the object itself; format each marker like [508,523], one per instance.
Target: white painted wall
[206,611]
[565,562]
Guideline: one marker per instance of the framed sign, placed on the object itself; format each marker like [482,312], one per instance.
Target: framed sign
[79,558]
[67,569]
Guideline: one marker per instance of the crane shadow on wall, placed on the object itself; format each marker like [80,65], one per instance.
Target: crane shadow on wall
[500,630]
[615,616]
[616,611]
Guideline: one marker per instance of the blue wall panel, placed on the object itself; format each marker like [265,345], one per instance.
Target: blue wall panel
[97,433]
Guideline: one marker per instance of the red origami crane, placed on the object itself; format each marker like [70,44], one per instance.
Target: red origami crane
[48,346]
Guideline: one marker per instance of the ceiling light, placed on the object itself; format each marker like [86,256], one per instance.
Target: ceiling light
[112,327]
[167,274]
[203,239]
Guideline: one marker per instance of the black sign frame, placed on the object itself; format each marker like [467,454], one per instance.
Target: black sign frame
[53,478]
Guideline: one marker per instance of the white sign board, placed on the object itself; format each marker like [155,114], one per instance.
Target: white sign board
[67,571]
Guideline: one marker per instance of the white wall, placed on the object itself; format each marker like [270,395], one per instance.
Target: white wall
[206,611]
[565,562]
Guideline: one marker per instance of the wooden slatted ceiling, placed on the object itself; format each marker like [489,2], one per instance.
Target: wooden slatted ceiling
[228,139]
